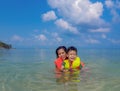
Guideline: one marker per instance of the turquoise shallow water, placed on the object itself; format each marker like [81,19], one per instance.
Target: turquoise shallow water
[33,70]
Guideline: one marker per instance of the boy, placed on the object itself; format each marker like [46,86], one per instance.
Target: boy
[73,62]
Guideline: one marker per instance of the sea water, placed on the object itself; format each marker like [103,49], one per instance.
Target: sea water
[33,70]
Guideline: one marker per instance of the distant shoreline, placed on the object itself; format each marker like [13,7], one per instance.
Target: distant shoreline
[5,46]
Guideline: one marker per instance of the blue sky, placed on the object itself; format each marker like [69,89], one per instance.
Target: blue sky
[49,23]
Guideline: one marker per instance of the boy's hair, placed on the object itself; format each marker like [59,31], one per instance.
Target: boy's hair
[61,47]
[72,48]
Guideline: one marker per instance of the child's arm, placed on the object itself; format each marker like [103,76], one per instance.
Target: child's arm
[63,67]
[82,64]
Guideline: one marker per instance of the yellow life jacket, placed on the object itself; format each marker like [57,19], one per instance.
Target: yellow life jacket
[75,63]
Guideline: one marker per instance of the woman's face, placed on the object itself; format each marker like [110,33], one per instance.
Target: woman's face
[72,55]
[62,54]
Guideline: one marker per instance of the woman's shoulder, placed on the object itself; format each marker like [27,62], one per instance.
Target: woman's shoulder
[58,60]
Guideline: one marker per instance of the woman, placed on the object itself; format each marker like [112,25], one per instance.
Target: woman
[61,53]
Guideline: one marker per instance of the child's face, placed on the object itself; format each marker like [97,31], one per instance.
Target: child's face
[62,53]
[72,55]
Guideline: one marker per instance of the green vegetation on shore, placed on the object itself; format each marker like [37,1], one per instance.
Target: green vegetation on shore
[4,45]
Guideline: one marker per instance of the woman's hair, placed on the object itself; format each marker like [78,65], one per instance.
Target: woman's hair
[61,47]
[72,48]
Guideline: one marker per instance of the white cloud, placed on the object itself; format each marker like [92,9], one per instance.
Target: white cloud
[114,7]
[36,30]
[114,41]
[104,36]
[41,37]
[92,41]
[109,3]
[112,4]
[78,11]
[116,16]
[100,30]
[17,38]
[118,3]
[56,36]
[49,16]
[65,25]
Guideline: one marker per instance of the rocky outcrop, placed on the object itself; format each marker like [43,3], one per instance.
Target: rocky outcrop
[4,45]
